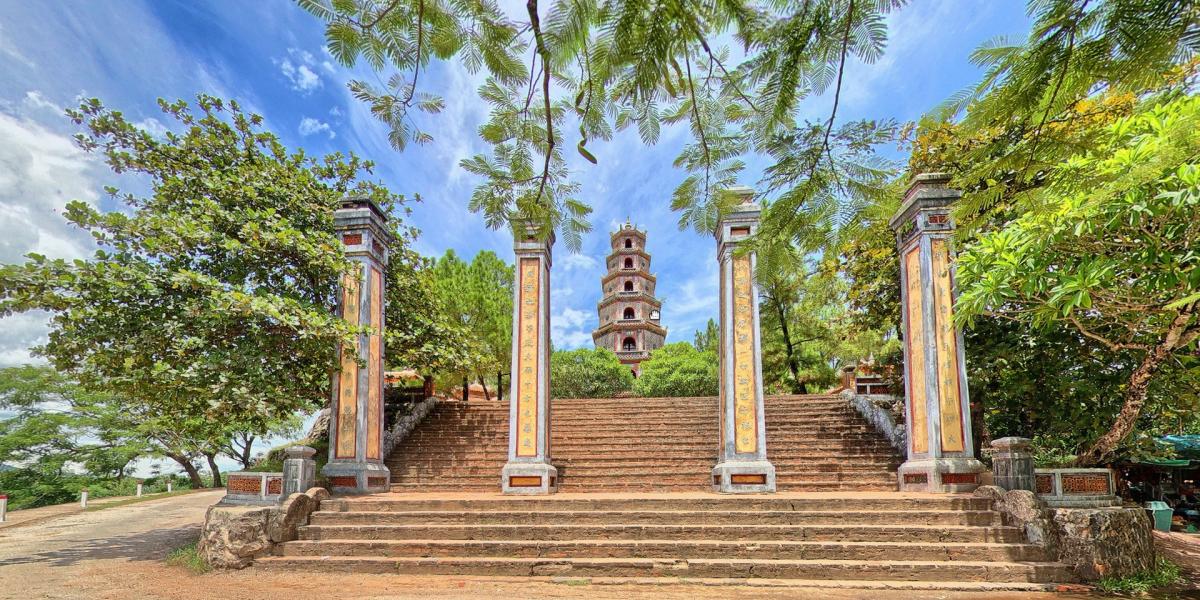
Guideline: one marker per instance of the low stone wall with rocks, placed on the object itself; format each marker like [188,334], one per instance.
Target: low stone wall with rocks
[406,423]
[235,535]
[1095,542]
[881,411]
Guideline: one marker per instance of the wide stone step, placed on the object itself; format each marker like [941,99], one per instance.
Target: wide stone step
[659,502]
[432,458]
[839,472]
[700,567]
[558,531]
[641,465]
[671,549]
[834,515]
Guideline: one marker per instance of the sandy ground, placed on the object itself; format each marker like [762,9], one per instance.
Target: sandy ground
[118,553]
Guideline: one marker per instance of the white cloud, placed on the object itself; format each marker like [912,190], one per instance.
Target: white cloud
[152,126]
[571,329]
[303,79]
[8,48]
[35,99]
[581,261]
[310,126]
[40,171]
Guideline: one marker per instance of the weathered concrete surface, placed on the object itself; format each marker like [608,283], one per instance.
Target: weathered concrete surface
[294,512]
[51,558]
[1022,508]
[1104,542]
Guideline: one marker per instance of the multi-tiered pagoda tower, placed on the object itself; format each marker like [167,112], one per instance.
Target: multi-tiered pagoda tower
[629,312]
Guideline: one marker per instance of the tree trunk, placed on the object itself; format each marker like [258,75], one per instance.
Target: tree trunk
[1135,393]
[483,382]
[189,468]
[244,457]
[787,343]
[216,471]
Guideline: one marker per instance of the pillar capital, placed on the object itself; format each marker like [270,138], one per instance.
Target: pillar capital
[356,410]
[526,241]
[941,456]
[742,458]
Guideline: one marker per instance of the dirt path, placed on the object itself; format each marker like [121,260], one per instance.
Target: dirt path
[49,559]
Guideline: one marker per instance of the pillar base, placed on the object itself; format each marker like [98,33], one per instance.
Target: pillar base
[744,477]
[352,477]
[528,479]
[940,475]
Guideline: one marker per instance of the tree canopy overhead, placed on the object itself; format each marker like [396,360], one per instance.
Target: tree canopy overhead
[569,72]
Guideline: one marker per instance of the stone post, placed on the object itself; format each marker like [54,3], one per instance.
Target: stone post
[742,465]
[356,420]
[941,455]
[170,486]
[139,489]
[528,470]
[1012,463]
[83,495]
[299,470]
[3,508]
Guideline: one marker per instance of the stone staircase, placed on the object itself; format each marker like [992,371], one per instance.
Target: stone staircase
[817,443]
[634,503]
[888,540]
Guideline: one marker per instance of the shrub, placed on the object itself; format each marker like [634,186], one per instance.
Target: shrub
[588,373]
[678,369]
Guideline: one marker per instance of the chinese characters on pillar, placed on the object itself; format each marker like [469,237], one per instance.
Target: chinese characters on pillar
[949,396]
[916,352]
[347,408]
[745,420]
[527,358]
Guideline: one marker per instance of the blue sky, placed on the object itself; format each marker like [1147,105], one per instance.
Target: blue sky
[269,55]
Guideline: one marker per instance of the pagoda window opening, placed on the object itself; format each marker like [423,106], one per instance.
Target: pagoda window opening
[628,243]
[628,313]
[629,345]
[628,263]
[629,286]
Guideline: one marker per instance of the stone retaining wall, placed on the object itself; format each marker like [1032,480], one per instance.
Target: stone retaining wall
[879,410]
[406,423]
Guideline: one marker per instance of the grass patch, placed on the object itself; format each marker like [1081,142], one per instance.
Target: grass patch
[97,504]
[1162,574]
[189,558]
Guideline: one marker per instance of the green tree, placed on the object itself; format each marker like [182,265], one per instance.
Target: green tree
[477,297]
[211,297]
[708,340]
[588,373]
[1111,254]
[678,369]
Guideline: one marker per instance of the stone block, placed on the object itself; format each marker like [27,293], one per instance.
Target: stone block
[233,536]
[1104,542]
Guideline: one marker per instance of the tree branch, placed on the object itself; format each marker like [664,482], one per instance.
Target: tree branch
[534,22]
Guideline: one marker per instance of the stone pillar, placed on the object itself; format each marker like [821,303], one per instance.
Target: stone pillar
[1012,463]
[3,508]
[299,470]
[742,466]
[528,470]
[941,455]
[139,489]
[356,420]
